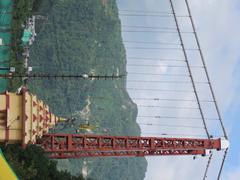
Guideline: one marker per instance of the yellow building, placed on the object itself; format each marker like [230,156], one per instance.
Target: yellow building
[24,118]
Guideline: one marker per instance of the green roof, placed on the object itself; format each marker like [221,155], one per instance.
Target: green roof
[26,36]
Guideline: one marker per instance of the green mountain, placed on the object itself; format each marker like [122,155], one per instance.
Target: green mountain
[84,37]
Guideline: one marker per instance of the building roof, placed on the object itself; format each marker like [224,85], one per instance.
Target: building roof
[26,36]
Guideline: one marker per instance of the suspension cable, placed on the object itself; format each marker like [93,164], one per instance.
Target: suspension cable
[179,82]
[153,15]
[161,59]
[152,48]
[223,161]
[166,107]
[164,65]
[166,99]
[137,11]
[147,31]
[168,125]
[149,27]
[63,76]
[189,69]
[171,134]
[205,67]
[208,165]
[162,90]
[155,59]
[148,42]
[160,74]
[176,117]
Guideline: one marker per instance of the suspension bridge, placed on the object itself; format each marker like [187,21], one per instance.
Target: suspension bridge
[167,79]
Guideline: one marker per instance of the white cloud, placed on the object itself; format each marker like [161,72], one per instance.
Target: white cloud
[218,27]
[217,23]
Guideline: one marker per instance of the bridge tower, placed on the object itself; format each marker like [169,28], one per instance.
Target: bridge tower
[24,118]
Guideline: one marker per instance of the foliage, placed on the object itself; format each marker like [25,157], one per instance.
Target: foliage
[31,164]
[22,10]
[81,37]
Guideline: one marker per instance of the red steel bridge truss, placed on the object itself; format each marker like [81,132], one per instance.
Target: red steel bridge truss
[76,146]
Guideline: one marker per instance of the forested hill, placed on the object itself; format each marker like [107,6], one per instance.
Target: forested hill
[77,37]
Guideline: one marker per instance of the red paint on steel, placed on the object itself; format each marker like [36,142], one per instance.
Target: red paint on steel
[34,132]
[50,117]
[24,101]
[81,154]
[34,117]
[41,118]
[7,100]
[3,116]
[6,117]
[34,103]
[26,117]
[75,145]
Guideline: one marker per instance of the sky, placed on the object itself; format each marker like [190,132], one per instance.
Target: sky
[217,23]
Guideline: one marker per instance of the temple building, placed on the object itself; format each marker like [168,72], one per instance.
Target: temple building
[24,118]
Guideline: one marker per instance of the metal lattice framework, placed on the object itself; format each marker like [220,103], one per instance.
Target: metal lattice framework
[75,146]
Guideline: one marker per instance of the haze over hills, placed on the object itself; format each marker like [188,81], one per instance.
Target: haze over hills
[84,37]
